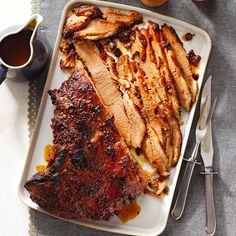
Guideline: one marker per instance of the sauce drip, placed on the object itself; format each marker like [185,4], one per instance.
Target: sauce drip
[40,168]
[129,212]
[47,157]
[15,48]
[47,152]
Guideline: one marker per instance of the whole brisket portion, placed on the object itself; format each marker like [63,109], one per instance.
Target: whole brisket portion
[92,173]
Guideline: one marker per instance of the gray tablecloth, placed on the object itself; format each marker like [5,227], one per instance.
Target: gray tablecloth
[218,18]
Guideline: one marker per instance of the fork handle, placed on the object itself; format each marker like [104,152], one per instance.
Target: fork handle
[183,191]
[210,207]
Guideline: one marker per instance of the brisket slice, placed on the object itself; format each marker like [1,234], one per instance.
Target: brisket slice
[159,98]
[80,18]
[156,38]
[114,23]
[97,29]
[92,174]
[170,69]
[181,84]
[177,46]
[129,18]
[128,120]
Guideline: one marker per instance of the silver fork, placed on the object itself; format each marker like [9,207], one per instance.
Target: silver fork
[201,129]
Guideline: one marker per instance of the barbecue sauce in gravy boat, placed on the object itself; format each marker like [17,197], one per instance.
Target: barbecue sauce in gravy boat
[15,48]
[24,52]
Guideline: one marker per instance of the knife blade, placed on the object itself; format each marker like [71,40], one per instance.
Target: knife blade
[207,151]
[206,92]
[207,154]
[201,128]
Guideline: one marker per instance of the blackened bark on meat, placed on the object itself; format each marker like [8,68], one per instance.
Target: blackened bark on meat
[92,174]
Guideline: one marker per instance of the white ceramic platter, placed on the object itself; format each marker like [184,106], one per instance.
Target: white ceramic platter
[154,212]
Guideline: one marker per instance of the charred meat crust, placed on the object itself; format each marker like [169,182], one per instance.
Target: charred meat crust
[193,58]
[92,174]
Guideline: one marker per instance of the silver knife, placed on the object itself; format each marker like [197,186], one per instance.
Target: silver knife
[205,116]
[207,154]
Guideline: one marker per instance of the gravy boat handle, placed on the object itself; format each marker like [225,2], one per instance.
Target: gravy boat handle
[3,73]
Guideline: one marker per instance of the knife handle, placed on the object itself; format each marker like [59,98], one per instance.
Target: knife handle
[183,191]
[210,207]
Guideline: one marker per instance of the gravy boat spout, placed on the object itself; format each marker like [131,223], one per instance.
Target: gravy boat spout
[32,24]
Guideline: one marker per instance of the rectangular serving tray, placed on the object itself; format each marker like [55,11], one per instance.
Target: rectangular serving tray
[154,213]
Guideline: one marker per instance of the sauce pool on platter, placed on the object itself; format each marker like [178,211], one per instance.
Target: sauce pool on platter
[129,212]
[46,156]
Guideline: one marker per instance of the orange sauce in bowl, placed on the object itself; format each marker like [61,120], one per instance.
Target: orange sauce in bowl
[129,212]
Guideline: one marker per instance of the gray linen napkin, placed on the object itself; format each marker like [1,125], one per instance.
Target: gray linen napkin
[218,18]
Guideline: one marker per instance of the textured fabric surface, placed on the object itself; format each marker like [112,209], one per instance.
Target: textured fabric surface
[218,18]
